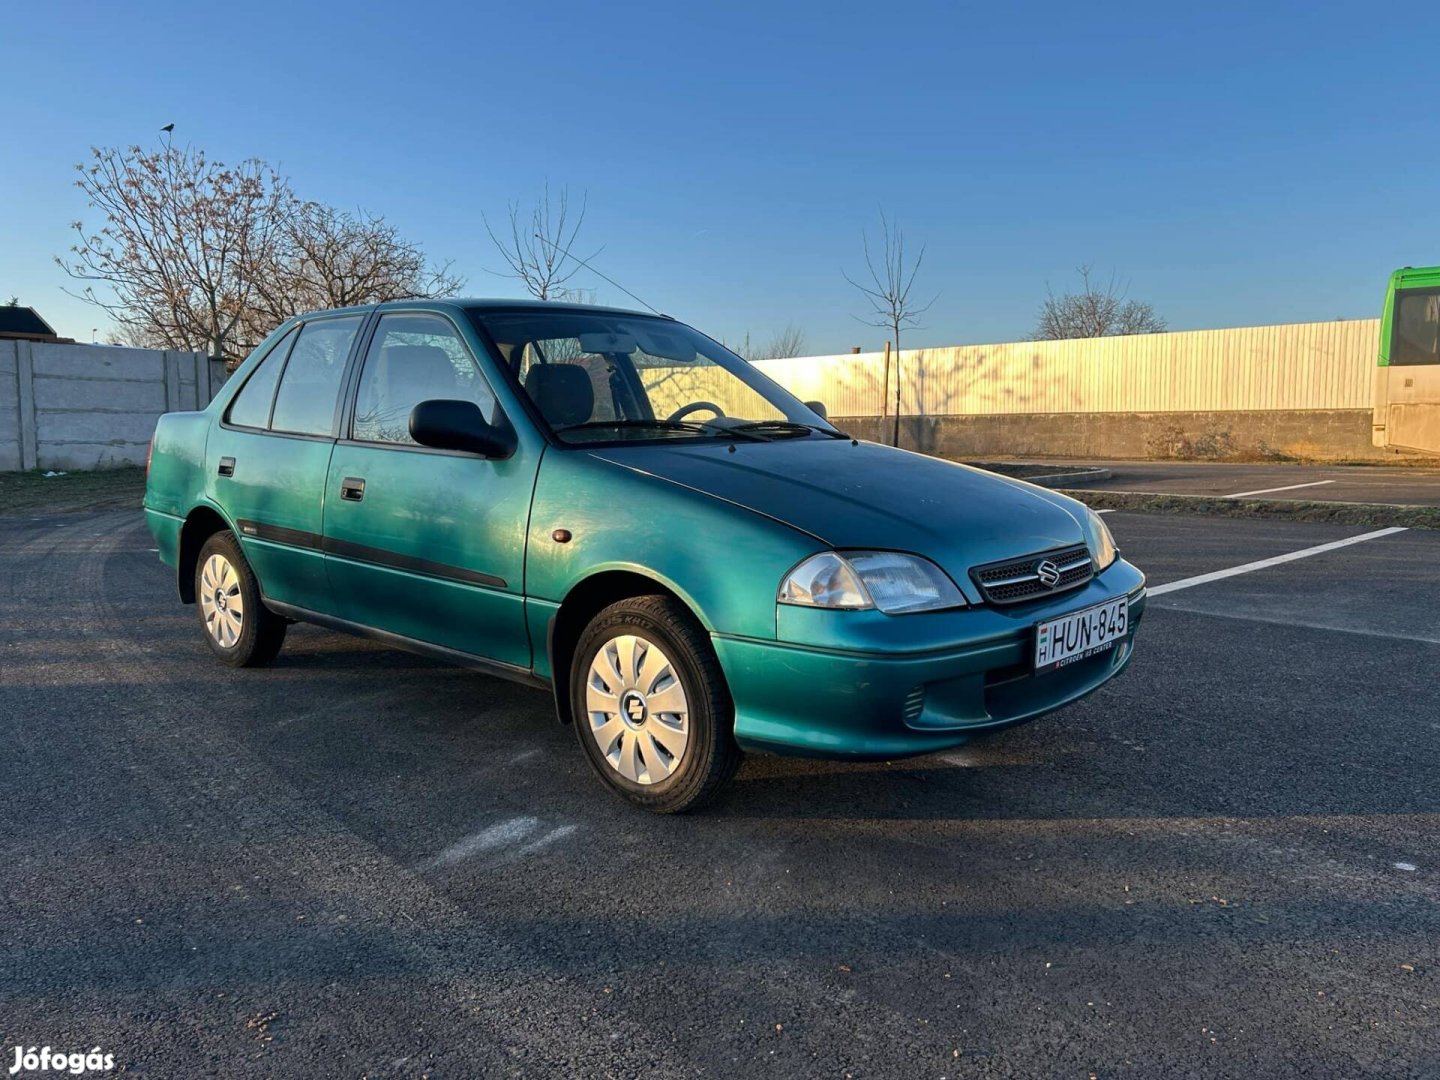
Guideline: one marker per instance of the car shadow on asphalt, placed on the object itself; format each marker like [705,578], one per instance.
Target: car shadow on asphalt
[427,711]
[1099,784]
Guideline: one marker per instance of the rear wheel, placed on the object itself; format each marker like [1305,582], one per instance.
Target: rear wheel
[238,627]
[652,711]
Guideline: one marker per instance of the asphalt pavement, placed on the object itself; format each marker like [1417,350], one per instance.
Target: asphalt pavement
[361,863]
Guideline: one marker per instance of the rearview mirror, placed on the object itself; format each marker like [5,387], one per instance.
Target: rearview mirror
[666,344]
[603,342]
[818,408]
[459,425]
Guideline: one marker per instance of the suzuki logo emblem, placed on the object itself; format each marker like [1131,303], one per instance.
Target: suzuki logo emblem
[1048,573]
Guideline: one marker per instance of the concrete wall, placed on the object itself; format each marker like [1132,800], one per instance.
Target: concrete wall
[92,406]
[1335,434]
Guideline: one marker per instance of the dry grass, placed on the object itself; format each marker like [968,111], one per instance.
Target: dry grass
[72,493]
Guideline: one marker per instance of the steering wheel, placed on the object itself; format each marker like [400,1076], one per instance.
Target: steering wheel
[695,406]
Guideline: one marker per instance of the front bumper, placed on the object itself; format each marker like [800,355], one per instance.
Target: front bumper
[867,703]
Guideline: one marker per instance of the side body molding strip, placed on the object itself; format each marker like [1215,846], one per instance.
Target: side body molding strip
[363,553]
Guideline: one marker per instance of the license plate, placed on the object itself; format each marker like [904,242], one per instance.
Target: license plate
[1080,634]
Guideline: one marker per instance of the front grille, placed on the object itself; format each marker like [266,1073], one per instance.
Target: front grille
[1017,580]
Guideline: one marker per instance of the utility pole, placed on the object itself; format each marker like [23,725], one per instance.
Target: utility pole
[895,439]
[885,392]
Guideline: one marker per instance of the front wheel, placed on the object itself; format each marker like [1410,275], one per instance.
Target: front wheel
[652,711]
[238,627]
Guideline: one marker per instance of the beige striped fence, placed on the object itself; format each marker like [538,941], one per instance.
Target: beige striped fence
[1292,367]
[1298,390]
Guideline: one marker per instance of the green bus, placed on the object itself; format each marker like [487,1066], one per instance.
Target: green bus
[1407,381]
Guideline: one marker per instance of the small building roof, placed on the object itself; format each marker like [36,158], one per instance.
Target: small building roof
[24,322]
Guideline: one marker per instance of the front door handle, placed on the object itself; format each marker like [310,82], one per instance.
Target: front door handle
[227,466]
[352,488]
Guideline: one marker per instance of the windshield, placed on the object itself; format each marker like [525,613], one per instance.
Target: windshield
[599,378]
[1417,327]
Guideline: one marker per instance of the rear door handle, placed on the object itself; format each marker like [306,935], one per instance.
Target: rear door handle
[352,488]
[227,466]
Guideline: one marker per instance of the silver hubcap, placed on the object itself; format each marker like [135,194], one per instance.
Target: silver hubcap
[637,711]
[220,601]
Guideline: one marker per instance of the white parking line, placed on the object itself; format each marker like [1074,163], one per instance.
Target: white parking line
[1104,511]
[1261,564]
[1287,487]
[1311,624]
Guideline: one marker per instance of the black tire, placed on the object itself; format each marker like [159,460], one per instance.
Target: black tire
[710,756]
[261,631]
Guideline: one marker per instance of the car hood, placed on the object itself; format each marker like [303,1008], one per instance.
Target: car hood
[871,496]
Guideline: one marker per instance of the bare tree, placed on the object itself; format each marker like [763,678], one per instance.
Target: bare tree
[888,293]
[329,258]
[788,342]
[537,249]
[1094,312]
[744,348]
[204,257]
[180,237]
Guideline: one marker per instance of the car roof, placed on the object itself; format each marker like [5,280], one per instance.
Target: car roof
[486,304]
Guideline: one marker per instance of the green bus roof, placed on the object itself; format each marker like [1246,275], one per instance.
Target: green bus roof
[1415,276]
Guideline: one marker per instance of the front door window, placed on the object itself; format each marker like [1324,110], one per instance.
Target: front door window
[413,358]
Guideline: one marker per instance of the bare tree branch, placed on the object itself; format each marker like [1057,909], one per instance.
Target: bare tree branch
[179,232]
[537,249]
[331,258]
[892,280]
[197,255]
[788,342]
[1094,312]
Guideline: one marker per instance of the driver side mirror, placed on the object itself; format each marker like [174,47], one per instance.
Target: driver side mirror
[460,425]
[818,408]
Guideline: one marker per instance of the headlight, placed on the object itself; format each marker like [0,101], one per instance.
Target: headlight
[894,583]
[1099,540]
[824,580]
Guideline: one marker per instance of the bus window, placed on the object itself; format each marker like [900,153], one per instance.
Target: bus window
[1417,327]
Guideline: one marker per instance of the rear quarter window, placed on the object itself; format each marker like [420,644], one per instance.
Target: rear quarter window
[251,407]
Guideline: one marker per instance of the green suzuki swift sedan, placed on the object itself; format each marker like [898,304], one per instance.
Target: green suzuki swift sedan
[615,507]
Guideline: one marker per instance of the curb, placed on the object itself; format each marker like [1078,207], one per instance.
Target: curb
[1056,480]
[1333,513]
[1049,480]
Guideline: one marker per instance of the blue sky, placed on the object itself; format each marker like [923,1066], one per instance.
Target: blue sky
[1234,164]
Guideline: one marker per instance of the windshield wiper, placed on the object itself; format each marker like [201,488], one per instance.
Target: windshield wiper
[664,425]
[789,426]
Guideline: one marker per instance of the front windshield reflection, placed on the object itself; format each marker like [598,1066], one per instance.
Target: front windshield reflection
[601,377]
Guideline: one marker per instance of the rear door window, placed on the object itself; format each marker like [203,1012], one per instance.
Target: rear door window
[310,387]
[251,407]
